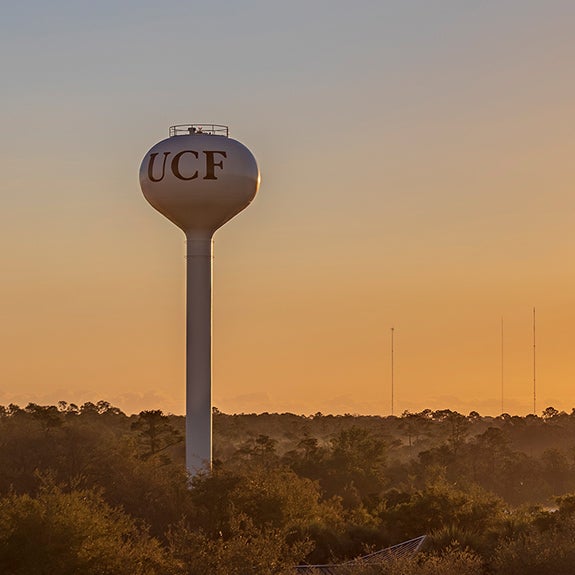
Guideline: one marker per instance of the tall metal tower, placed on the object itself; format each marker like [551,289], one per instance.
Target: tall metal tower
[199,178]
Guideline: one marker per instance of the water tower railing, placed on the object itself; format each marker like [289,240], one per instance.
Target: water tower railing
[187,129]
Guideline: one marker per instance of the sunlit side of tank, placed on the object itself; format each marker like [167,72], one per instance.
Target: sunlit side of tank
[199,181]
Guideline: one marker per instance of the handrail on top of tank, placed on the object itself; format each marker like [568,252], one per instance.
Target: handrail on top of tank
[188,129]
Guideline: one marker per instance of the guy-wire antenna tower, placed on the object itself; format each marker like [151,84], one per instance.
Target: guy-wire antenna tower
[392,371]
[502,366]
[534,370]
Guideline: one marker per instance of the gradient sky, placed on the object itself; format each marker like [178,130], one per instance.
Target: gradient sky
[417,172]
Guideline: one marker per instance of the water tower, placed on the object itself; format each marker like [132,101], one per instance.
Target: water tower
[199,178]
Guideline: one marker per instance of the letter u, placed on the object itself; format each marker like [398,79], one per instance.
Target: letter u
[151,167]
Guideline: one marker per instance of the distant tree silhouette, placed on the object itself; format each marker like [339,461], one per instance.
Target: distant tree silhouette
[156,432]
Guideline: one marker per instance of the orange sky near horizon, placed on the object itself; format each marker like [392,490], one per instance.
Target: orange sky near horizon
[417,173]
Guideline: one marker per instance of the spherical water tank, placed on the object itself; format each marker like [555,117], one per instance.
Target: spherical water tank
[199,180]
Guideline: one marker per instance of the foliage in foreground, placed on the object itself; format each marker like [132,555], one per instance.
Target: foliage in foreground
[75,532]
[90,490]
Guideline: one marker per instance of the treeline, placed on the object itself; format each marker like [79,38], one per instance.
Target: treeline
[88,489]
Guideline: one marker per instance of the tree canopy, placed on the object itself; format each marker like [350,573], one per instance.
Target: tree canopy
[88,489]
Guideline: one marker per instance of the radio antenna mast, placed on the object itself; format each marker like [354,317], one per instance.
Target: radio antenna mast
[502,365]
[392,372]
[534,370]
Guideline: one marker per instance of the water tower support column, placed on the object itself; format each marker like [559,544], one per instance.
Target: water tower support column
[199,352]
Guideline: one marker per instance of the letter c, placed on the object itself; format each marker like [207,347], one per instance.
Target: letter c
[176,165]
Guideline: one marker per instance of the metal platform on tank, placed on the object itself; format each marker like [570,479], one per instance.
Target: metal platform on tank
[190,129]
